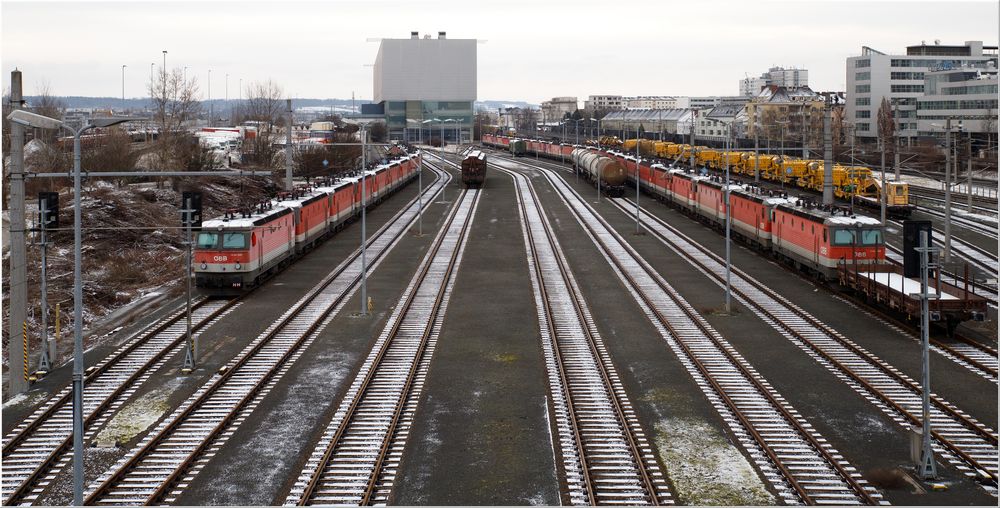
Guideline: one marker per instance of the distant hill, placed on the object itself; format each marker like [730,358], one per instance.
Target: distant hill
[493,105]
[78,102]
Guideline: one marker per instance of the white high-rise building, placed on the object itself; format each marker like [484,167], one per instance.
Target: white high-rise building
[419,79]
[777,76]
[874,75]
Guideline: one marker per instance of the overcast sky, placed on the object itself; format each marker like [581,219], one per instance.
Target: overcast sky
[531,50]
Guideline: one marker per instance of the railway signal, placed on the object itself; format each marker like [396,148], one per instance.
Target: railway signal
[191,218]
[48,217]
[926,467]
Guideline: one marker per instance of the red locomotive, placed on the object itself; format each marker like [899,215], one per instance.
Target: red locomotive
[237,251]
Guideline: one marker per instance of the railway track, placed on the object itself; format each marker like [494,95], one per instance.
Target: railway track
[977,256]
[40,446]
[970,354]
[980,205]
[606,458]
[169,457]
[356,459]
[798,464]
[961,440]
[972,225]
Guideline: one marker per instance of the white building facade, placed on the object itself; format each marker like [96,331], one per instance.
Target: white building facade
[874,75]
[966,94]
[424,84]
[557,108]
[596,102]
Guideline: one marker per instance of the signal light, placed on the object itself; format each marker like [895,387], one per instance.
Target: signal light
[192,215]
[48,209]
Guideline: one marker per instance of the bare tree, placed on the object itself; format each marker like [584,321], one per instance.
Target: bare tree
[379,132]
[175,100]
[481,121]
[886,124]
[526,119]
[264,106]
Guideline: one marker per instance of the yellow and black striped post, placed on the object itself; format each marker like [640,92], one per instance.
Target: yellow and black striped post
[24,328]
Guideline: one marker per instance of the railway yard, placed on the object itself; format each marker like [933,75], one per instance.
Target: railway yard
[524,343]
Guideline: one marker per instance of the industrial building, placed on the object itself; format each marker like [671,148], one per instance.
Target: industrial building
[426,87]
[557,108]
[875,75]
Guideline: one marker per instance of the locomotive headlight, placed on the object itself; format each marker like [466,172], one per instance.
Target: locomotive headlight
[204,266]
[238,266]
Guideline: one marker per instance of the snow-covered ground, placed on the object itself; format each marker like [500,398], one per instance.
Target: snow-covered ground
[931,183]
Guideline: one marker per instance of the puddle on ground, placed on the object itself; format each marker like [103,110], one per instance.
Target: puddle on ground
[705,468]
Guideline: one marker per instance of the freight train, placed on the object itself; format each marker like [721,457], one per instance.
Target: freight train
[473,168]
[239,250]
[857,184]
[831,242]
[810,237]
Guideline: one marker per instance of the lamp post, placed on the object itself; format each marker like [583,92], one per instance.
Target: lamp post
[123,87]
[729,133]
[781,162]
[949,160]
[364,232]
[211,107]
[164,69]
[420,188]
[42,122]
[637,143]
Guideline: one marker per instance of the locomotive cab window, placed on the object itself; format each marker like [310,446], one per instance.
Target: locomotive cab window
[843,237]
[234,241]
[871,236]
[207,240]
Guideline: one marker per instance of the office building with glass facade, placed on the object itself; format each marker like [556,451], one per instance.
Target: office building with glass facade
[426,87]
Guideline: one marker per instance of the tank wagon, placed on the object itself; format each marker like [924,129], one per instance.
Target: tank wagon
[474,168]
[595,166]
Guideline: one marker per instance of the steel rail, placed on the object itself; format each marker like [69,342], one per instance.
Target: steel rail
[857,488]
[22,490]
[878,364]
[220,382]
[599,359]
[362,391]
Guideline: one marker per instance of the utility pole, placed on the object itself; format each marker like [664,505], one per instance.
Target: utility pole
[927,468]
[725,194]
[805,150]
[288,147]
[946,255]
[18,269]
[827,158]
[123,87]
[756,148]
[883,198]
[211,106]
[895,135]
[420,193]
[968,175]
[364,232]
[694,117]
[637,143]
